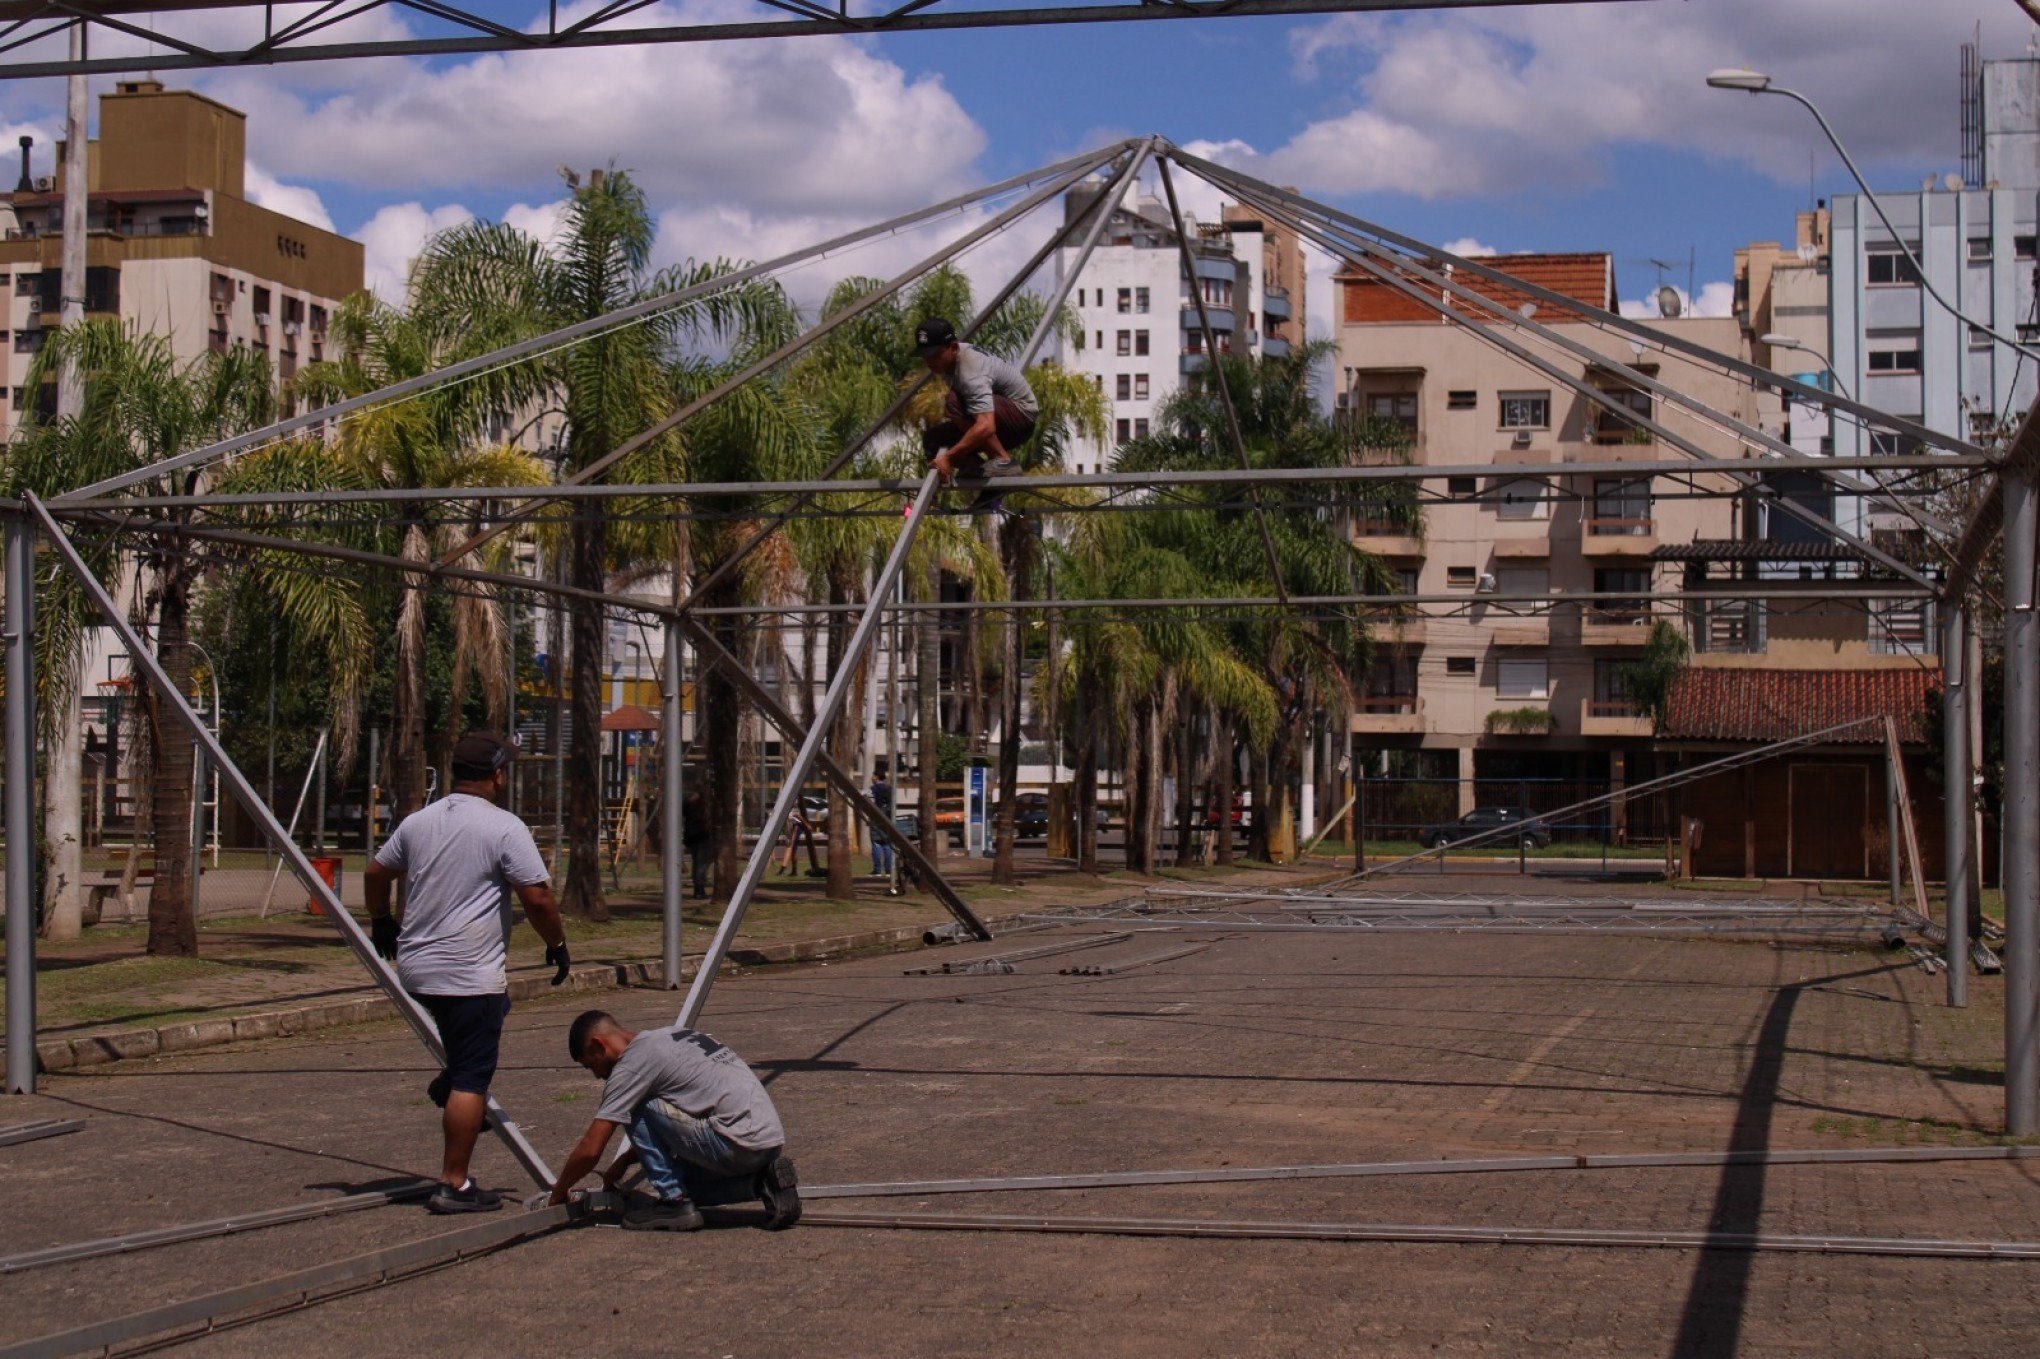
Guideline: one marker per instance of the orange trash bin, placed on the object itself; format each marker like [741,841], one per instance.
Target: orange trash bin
[328,869]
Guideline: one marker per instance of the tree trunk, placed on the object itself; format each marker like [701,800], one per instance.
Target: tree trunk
[1257,792]
[173,930]
[1139,793]
[1222,800]
[719,728]
[1152,746]
[842,738]
[64,823]
[407,702]
[1186,781]
[1019,545]
[583,896]
[928,729]
[1086,774]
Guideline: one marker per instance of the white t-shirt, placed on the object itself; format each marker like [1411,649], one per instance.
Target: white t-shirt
[461,858]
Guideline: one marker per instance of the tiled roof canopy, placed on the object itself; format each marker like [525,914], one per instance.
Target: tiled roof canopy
[1733,704]
[1590,278]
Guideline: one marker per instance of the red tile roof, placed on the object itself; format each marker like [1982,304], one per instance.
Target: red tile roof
[1588,278]
[1710,703]
[630,717]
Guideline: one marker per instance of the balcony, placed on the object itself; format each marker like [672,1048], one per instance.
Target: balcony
[1603,537]
[1590,451]
[1194,363]
[1404,630]
[1274,347]
[1608,627]
[1612,717]
[1397,537]
[1514,630]
[1389,715]
[1275,304]
[1522,549]
[1221,317]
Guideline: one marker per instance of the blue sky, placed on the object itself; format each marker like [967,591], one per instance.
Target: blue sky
[1572,127]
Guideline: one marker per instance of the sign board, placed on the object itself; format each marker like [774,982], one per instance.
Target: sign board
[974,809]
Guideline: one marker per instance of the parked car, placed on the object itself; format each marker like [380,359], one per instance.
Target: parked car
[949,812]
[1030,816]
[1481,820]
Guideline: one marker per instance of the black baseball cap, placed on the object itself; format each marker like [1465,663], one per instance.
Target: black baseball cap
[480,754]
[933,336]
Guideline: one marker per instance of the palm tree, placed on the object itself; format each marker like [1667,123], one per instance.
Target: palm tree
[435,441]
[141,406]
[500,283]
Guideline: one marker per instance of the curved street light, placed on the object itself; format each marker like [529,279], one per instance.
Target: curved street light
[1756,82]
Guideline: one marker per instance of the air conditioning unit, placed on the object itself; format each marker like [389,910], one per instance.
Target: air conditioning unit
[46,184]
[220,306]
[290,327]
[1486,585]
[262,319]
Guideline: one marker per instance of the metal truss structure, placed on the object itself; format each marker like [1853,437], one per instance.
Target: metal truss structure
[184,35]
[177,514]
[1497,915]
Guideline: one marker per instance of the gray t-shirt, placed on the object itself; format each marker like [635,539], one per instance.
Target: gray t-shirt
[460,858]
[979,376]
[699,1077]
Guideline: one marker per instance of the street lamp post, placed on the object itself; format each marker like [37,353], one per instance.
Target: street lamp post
[1777,341]
[1756,82]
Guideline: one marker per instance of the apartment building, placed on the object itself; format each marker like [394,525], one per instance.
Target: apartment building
[1140,335]
[173,244]
[1502,687]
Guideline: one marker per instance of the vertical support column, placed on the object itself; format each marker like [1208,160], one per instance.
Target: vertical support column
[672,824]
[2022,810]
[199,775]
[1958,792]
[18,632]
[1891,820]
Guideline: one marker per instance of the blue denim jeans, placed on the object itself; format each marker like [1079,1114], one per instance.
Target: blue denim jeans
[685,1157]
[881,856]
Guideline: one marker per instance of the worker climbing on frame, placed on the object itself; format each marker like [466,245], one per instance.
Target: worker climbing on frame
[697,1118]
[461,860]
[988,411]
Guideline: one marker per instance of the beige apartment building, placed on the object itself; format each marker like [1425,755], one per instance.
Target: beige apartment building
[1503,685]
[173,244]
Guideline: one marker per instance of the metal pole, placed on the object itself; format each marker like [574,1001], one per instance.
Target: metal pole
[144,660]
[1891,820]
[672,825]
[796,773]
[1957,795]
[198,778]
[19,630]
[374,789]
[2022,810]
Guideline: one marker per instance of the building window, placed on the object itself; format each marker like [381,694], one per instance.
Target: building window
[1460,665]
[1460,577]
[1979,338]
[1522,677]
[21,398]
[1398,408]
[319,319]
[1523,580]
[28,341]
[1894,357]
[1622,581]
[1902,627]
[1123,387]
[1618,423]
[1979,248]
[1124,343]
[1101,342]
[1889,443]
[1621,506]
[1526,410]
[1140,386]
[261,301]
[1140,342]
[1140,428]
[2025,247]
[1886,266]
[1125,300]
[26,285]
[1124,429]
[1461,401]
[1523,498]
[1462,485]
[1611,689]
[1140,301]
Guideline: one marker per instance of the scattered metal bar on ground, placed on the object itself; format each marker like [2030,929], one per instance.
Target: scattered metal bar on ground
[200,1231]
[1460,1166]
[1447,1234]
[999,962]
[1129,964]
[36,1131]
[300,1288]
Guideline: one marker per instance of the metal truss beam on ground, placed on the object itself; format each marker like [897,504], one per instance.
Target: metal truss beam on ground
[1520,915]
[162,35]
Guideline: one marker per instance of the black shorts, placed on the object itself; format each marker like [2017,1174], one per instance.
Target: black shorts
[471,1031]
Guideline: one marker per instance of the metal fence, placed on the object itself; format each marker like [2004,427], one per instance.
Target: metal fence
[1411,809]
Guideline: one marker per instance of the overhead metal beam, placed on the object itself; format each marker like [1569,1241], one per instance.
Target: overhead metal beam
[920,16]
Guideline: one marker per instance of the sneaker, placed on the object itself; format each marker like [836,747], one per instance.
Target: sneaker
[779,1191]
[471,1198]
[662,1215]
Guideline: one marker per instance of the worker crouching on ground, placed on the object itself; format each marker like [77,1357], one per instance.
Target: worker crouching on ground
[698,1119]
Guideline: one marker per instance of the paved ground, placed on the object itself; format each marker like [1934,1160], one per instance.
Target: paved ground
[1260,1050]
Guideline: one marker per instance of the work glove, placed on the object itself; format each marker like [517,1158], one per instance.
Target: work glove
[384,930]
[558,956]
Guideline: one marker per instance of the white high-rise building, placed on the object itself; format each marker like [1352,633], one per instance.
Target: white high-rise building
[1140,332]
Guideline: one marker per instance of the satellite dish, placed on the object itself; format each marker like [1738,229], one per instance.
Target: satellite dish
[1952,182]
[1669,303]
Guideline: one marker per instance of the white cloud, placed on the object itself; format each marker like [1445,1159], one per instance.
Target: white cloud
[1716,299]
[1466,247]
[1505,101]
[392,238]
[821,125]
[292,200]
